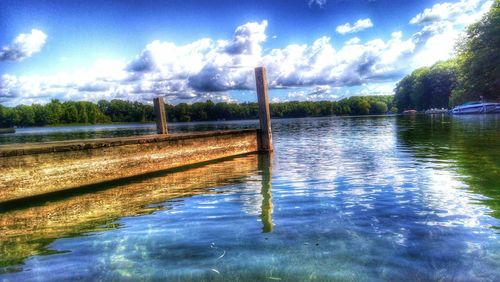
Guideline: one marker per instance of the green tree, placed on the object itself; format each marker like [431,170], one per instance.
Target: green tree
[378,108]
[479,60]
[361,107]
[54,111]
[25,115]
[41,114]
[182,112]
[70,112]
[7,117]
[427,87]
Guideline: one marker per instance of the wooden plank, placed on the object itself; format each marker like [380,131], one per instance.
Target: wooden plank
[68,165]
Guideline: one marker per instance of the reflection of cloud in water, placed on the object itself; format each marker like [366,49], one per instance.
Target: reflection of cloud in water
[350,200]
[377,183]
[250,195]
[336,164]
[447,198]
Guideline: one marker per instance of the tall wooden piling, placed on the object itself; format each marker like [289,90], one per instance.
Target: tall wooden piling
[266,137]
[161,116]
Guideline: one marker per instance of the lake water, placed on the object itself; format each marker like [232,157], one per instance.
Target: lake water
[353,199]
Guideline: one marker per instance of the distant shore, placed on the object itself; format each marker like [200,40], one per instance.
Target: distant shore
[7,130]
[204,121]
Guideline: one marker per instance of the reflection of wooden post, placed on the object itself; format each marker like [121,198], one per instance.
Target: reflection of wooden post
[266,215]
[266,137]
[161,116]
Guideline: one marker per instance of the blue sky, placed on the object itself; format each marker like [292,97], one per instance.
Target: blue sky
[196,50]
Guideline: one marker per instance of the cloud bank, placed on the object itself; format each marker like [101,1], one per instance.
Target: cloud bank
[23,46]
[212,69]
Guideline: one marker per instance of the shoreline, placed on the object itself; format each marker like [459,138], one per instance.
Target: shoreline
[234,120]
[198,121]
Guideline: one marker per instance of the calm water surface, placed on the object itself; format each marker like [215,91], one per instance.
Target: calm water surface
[59,133]
[351,199]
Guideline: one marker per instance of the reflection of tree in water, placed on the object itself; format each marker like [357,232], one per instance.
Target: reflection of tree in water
[27,229]
[467,144]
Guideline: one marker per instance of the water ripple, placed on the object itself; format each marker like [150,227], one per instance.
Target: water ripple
[370,199]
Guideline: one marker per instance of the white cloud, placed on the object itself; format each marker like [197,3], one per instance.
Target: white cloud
[247,39]
[352,41]
[359,25]
[442,26]
[316,93]
[320,63]
[210,67]
[169,58]
[319,3]
[23,46]
[464,12]
[435,42]
[179,72]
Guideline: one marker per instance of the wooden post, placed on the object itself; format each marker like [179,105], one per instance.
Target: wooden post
[161,116]
[266,136]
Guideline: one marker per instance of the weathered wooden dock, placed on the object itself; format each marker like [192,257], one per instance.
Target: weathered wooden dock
[29,227]
[28,170]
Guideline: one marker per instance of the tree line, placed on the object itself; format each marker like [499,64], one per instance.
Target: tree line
[473,73]
[83,112]
[75,112]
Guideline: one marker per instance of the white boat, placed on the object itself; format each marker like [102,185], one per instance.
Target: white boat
[476,108]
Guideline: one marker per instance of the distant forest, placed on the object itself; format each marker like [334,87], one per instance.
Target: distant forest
[81,112]
[472,73]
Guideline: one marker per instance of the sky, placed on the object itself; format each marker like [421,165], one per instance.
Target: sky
[195,50]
